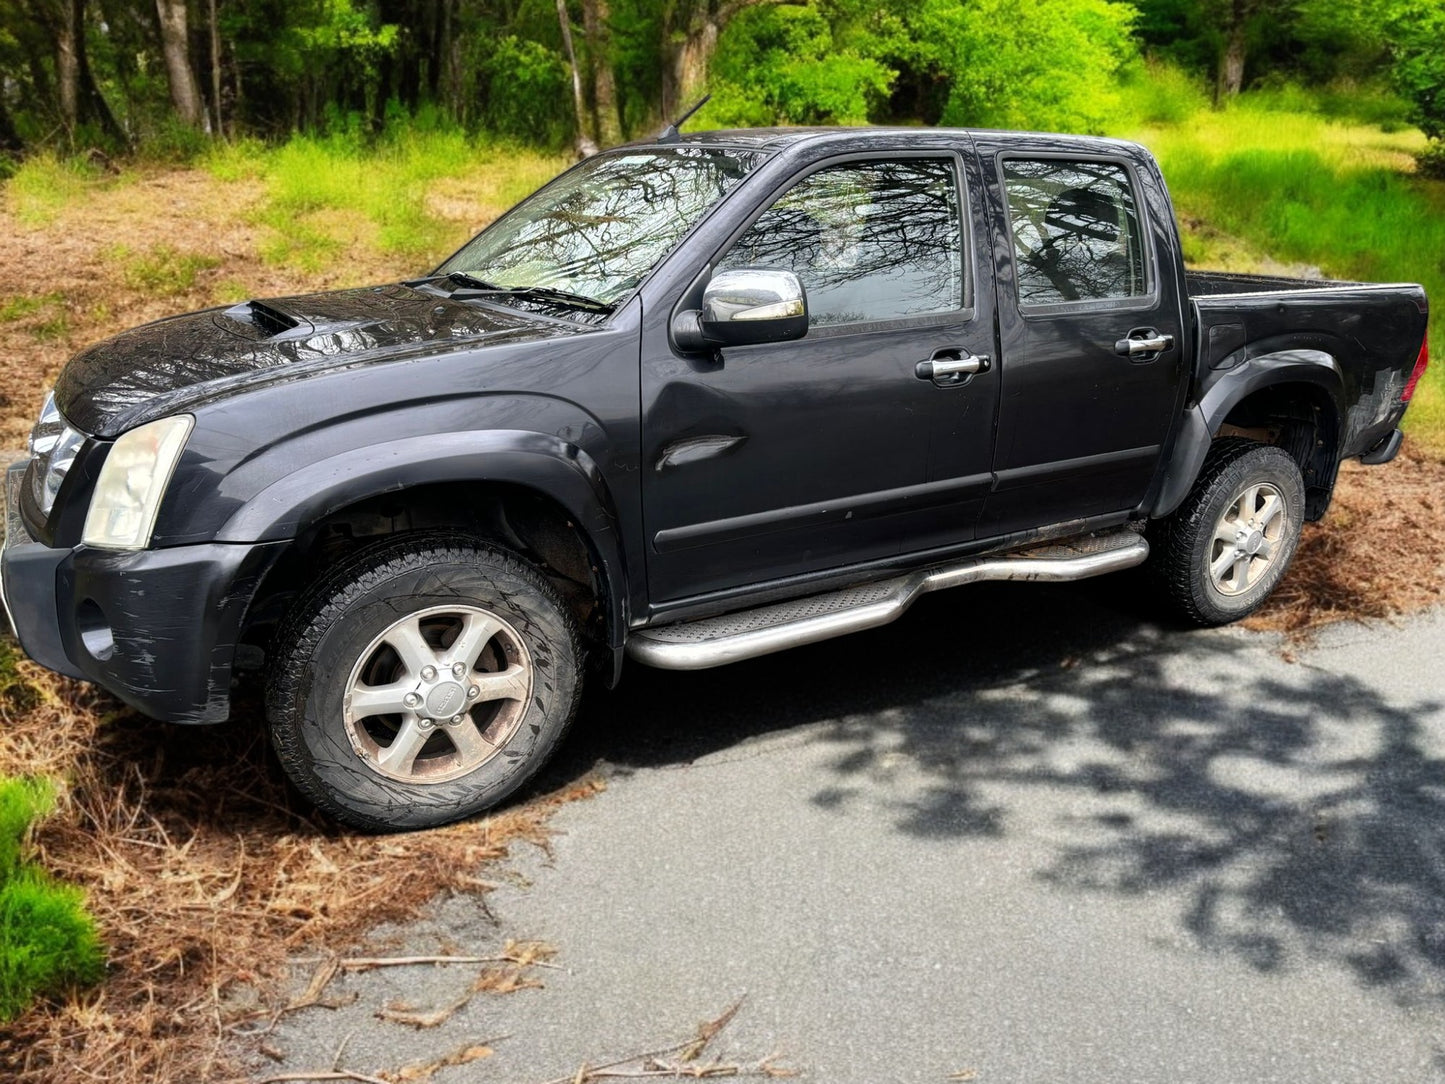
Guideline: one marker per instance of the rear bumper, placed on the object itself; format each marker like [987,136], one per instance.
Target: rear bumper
[156,628]
[1386,450]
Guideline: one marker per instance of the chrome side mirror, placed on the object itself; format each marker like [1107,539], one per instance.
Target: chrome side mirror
[743,307]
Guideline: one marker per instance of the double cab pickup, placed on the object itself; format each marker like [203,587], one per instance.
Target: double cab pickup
[693,401]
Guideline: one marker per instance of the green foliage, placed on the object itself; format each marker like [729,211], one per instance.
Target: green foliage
[1016,64]
[1416,31]
[528,92]
[48,943]
[784,64]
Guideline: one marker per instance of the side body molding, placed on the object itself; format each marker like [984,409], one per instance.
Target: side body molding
[1227,390]
[547,464]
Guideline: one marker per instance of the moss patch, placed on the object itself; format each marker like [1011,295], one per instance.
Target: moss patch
[48,943]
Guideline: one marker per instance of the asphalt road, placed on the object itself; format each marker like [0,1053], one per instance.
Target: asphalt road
[1025,832]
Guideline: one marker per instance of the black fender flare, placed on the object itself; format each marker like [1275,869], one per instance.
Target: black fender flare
[1203,420]
[548,465]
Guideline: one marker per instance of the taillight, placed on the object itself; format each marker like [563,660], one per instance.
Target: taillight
[1421,364]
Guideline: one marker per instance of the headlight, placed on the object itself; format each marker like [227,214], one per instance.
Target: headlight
[132,482]
[53,447]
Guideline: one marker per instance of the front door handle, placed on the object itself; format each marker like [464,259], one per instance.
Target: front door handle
[1143,344]
[949,368]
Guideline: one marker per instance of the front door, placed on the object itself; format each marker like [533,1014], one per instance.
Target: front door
[765,462]
[1083,418]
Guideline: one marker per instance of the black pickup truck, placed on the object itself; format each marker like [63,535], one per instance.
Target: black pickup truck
[694,401]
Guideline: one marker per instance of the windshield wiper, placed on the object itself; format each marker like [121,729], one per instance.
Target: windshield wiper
[549,293]
[540,293]
[466,279]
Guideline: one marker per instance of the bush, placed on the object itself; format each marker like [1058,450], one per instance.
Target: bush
[529,93]
[782,65]
[48,943]
[1431,161]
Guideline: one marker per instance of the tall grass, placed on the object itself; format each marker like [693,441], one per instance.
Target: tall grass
[43,184]
[322,192]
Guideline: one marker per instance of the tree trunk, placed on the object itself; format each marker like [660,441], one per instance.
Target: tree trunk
[585,146]
[67,65]
[93,105]
[216,72]
[175,46]
[451,51]
[1230,79]
[9,137]
[690,30]
[608,129]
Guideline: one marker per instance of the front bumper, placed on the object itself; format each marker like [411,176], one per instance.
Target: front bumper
[157,628]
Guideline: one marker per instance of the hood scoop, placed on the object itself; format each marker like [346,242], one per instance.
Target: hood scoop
[256,320]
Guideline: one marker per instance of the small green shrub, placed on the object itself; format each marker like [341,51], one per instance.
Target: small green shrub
[48,943]
[1431,161]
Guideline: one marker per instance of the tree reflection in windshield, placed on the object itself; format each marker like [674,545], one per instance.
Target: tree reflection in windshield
[598,230]
[870,241]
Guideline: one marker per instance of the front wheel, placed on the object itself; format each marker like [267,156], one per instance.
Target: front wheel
[422,681]
[1221,553]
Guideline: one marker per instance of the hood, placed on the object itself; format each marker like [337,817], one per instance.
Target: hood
[162,367]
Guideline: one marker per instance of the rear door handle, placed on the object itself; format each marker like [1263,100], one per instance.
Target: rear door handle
[949,368]
[1144,344]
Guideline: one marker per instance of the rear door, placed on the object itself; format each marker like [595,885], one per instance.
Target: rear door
[1084,413]
[771,461]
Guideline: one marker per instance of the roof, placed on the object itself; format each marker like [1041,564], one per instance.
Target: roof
[779,139]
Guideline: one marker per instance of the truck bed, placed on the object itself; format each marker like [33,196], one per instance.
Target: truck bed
[1369,333]
[1216,283]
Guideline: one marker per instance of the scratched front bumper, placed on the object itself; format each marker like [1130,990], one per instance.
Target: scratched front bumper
[157,628]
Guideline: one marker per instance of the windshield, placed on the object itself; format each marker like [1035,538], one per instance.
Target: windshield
[598,230]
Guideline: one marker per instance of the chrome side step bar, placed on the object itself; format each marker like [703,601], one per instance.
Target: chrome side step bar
[716,641]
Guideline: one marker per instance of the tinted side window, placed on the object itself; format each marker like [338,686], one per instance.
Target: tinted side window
[1075,231]
[869,240]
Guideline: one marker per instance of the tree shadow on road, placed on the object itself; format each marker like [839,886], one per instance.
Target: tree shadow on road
[1296,814]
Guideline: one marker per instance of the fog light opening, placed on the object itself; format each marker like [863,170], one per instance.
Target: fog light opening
[95,631]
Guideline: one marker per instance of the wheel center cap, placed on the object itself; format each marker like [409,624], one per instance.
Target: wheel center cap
[1253,543]
[445,700]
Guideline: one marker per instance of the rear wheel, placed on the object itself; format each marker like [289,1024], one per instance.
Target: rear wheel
[1222,552]
[423,681]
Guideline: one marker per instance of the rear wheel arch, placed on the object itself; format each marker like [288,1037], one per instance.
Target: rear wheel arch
[1303,419]
[1291,400]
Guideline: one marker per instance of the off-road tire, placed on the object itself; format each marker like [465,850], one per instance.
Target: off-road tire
[335,623]
[1183,542]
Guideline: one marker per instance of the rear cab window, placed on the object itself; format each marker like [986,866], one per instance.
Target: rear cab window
[1076,231]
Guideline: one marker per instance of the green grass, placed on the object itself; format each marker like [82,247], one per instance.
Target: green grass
[1301,188]
[48,943]
[323,195]
[45,184]
[162,270]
